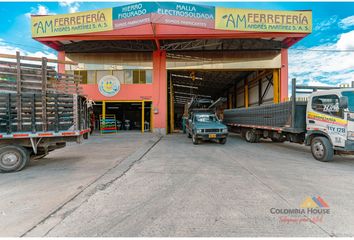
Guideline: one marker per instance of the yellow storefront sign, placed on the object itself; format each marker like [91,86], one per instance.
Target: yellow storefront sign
[75,23]
[263,20]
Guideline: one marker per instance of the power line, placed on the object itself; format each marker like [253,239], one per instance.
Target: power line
[23,45]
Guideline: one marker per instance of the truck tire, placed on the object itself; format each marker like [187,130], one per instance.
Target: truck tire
[277,140]
[322,149]
[13,158]
[222,140]
[195,140]
[251,136]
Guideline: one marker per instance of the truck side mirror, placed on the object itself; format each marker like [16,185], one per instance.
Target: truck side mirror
[343,102]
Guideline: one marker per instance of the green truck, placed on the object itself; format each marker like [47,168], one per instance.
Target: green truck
[203,124]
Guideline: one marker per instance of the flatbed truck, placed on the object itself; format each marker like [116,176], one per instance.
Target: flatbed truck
[324,120]
[40,110]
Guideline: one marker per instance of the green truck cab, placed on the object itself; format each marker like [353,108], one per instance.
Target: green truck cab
[204,125]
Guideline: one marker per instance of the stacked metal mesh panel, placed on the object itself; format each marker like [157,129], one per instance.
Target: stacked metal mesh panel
[275,115]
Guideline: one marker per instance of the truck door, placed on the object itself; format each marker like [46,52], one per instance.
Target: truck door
[324,115]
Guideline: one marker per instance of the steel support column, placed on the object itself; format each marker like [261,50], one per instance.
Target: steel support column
[103,109]
[172,104]
[61,57]
[142,116]
[159,91]
[276,87]
[284,75]
[235,95]
[246,92]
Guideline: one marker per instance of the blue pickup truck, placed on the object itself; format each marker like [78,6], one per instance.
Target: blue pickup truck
[205,125]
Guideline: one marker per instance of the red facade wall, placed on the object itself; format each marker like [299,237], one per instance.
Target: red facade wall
[128,92]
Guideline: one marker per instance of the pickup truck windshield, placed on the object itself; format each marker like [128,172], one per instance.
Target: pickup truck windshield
[205,118]
[350,95]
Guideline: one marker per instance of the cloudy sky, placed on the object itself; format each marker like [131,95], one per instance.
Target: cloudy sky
[325,57]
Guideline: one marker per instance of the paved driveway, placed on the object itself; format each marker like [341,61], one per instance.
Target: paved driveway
[29,196]
[179,189]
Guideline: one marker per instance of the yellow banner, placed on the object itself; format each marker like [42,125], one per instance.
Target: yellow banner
[263,20]
[75,23]
[326,118]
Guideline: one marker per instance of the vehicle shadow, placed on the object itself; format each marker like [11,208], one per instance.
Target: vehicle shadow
[58,161]
[338,158]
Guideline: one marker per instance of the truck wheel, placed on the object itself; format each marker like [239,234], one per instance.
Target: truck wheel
[277,140]
[222,140]
[322,149]
[13,158]
[195,140]
[251,136]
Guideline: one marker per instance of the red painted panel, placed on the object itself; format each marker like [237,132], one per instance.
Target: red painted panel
[127,92]
[160,89]
[284,81]
[61,66]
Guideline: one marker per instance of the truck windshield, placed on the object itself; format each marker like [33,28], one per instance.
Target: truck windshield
[350,95]
[205,118]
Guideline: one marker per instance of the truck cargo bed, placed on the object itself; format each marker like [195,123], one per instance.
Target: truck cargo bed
[271,116]
[61,112]
[34,98]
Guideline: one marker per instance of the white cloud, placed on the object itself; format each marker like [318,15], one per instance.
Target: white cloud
[321,65]
[326,24]
[72,5]
[314,82]
[7,48]
[42,10]
[346,22]
[39,10]
[346,41]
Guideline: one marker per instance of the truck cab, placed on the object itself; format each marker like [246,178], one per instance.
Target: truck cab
[330,122]
[204,125]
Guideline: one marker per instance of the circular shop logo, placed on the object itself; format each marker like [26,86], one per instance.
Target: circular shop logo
[109,86]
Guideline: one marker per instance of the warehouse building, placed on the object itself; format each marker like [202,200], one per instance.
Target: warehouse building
[143,61]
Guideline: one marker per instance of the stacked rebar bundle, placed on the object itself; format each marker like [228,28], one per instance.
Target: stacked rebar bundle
[274,115]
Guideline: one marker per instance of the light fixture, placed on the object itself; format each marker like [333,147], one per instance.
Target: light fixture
[177,96]
[190,76]
[185,86]
[191,94]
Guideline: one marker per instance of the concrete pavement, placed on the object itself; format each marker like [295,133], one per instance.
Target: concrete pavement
[179,189]
[30,196]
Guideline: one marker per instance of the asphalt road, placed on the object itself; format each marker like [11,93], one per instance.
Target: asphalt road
[179,189]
